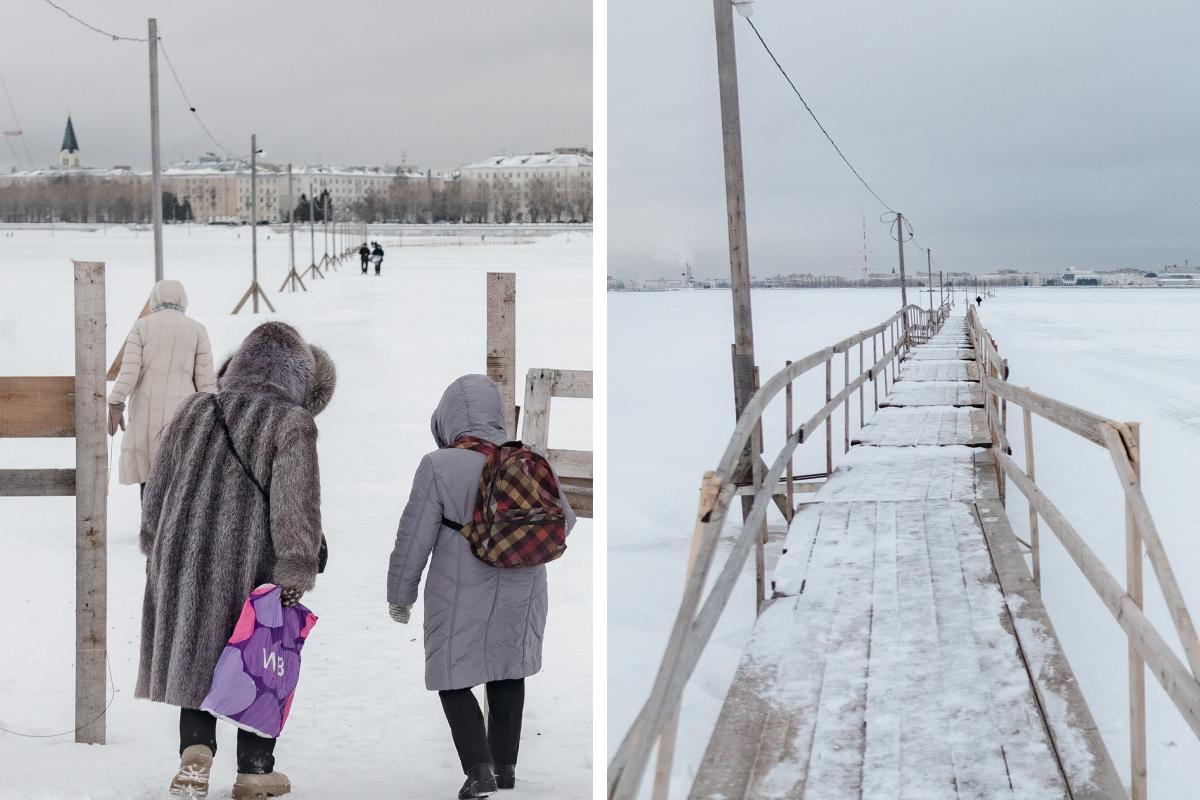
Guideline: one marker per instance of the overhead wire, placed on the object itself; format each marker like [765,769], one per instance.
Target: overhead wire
[115,37]
[188,100]
[17,120]
[812,114]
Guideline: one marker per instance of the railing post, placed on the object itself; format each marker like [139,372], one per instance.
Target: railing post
[862,413]
[874,381]
[1137,667]
[791,486]
[846,403]
[760,538]
[1034,545]
[828,419]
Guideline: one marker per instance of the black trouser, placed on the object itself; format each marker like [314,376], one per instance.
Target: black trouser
[364,265]
[378,266]
[255,754]
[498,743]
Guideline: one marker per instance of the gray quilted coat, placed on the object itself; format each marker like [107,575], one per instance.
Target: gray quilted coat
[204,523]
[482,623]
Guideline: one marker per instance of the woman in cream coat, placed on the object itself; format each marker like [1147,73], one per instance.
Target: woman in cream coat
[167,359]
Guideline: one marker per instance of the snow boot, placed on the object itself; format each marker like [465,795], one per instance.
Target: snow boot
[260,787]
[195,764]
[481,782]
[506,776]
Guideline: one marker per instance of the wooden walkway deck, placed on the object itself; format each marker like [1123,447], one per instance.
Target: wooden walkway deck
[906,653]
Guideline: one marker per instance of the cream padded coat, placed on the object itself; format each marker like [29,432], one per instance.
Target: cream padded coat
[167,359]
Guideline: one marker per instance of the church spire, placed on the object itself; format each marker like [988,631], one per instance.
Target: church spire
[69,155]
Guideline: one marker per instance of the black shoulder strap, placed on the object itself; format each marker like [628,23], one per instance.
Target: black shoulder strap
[449,523]
[229,438]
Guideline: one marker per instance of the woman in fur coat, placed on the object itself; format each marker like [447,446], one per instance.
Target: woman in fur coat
[210,535]
[167,359]
[483,624]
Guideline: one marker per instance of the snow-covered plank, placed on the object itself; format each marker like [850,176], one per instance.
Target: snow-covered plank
[903,473]
[1083,756]
[885,672]
[925,425]
[939,371]
[928,353]
[934,393]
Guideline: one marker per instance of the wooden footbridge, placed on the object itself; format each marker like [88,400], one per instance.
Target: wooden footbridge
[904,650]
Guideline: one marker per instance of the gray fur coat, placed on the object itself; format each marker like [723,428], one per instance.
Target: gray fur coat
[204,523]
[482,623]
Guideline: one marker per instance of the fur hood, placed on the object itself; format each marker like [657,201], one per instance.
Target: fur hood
[274,358]
[471,405]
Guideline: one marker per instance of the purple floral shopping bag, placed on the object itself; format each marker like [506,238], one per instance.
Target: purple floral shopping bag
[255,678]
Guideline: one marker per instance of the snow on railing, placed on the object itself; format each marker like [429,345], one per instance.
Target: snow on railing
[742,472]
[1147,648]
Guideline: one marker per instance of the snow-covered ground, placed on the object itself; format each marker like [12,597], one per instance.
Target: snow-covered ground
[1127,354]
[363,725]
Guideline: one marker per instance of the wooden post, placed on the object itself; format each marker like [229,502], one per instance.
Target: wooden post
[929,267]
[903,287]
[155,152]
[91,505]
[846,402]
[254,215]
[791,485]
[735,202]
[1137,666]
[874,377]
[709,488]
[828,419]
[502,341]
[862,414]
[1031,471]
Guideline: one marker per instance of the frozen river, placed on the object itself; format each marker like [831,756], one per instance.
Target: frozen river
[1127,354]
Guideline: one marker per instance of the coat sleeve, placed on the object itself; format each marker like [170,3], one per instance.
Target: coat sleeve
[202,374]
[416,536]
[131,368]
[160,478]
[296,503]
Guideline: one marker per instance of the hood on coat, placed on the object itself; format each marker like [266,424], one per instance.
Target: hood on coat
[469,406]
[275,358]
[168,292]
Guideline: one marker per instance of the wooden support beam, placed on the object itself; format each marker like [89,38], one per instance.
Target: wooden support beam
[502,341]
[91,505]
[37,407]
[37,482]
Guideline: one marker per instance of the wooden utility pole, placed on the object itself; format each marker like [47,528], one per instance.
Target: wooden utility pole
[293,278]
[155,153]
[735,202]
[941,287]
[255,290]
[929,266]
[903,287]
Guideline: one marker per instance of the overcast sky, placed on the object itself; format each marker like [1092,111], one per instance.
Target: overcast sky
[1018,134]
[351,81]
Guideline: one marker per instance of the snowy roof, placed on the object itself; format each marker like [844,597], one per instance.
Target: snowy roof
[62,172]
[210,164]
[556,159]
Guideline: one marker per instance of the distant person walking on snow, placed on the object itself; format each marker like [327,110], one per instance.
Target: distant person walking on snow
[483,623]
[211,534]
[377,257]
[978,301]
[167,358]
[364,255]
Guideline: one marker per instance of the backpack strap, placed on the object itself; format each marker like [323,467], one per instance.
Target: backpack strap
[483,447]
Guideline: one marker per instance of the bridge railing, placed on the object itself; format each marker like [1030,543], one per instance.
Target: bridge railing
[1147,647]
[741,472]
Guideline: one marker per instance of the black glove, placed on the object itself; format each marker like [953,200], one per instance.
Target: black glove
[289,597]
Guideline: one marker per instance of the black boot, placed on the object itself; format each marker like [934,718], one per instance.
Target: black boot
[481,782]
[506,776]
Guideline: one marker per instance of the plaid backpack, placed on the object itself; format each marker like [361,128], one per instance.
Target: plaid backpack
[518,520]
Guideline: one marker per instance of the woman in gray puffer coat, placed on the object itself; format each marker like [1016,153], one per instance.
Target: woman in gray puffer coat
[483,624]
[211,536]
